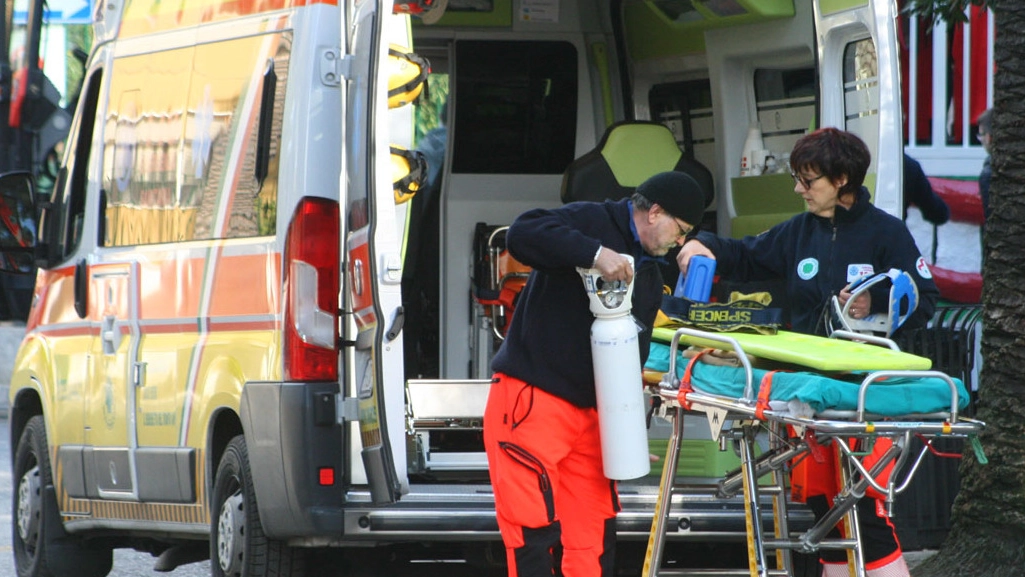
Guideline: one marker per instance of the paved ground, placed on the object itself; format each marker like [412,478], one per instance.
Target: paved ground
[10,337]
[913,558]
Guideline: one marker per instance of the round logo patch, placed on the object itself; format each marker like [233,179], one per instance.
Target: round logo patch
[808,268]
[923,268]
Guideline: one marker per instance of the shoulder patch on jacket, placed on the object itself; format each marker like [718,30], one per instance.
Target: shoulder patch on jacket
[923,268]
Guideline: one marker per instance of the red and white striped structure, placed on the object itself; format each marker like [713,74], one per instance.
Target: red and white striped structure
[947,80]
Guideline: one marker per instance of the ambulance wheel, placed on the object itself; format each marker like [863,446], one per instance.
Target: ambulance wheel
[41,547]
[238,546]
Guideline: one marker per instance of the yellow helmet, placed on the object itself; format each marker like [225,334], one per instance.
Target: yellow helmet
[409,171]
[408,78]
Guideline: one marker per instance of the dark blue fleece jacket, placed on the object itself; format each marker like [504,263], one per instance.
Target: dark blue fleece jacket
[819,256]
[548,343]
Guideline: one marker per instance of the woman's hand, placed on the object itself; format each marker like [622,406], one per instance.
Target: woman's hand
[691,248]
[861,306]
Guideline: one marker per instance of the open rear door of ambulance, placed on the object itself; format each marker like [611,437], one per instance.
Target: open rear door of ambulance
[860,86]
[373,267]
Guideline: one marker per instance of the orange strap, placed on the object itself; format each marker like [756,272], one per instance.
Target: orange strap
[685,386]
[764,389]
[934,450]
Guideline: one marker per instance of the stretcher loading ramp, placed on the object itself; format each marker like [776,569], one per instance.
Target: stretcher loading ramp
[817,404]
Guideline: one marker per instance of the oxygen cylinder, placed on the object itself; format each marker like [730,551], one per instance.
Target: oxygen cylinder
[617,378]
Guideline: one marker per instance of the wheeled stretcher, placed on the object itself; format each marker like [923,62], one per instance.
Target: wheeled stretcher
[801,410]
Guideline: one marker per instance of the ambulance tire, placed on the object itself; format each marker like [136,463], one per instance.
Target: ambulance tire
[41,546]
[238,546]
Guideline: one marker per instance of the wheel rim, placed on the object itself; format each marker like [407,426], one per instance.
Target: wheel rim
[29,507]
[230,534]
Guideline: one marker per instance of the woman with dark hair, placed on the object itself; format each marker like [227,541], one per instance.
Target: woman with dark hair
[840,238]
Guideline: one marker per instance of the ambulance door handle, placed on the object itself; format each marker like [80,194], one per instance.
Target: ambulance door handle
[138,374]
[396,324]
[110,335]
[263,138]
[357,277]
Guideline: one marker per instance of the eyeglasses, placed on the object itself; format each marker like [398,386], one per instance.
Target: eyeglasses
[805,182]
[684,231]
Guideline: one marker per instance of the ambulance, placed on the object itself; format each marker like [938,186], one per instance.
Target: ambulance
[265,307]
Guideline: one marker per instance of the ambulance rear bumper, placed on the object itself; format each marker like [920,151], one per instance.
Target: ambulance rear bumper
[293,436]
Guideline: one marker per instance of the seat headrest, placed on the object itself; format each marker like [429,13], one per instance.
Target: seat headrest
[629,152]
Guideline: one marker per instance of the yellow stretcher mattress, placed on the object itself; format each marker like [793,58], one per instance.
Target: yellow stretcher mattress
[819,353]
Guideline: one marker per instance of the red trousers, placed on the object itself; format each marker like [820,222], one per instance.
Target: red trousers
[816,481]
[556,510]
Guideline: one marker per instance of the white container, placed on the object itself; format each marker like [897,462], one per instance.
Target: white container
[620,393]
[752,146]
[617,379]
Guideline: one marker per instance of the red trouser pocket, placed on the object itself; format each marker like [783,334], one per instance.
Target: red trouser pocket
[544,484]
[555,508]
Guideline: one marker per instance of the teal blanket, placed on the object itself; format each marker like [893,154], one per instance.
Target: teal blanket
[892,397]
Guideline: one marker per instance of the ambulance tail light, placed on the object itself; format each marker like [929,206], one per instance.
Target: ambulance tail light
[311,292]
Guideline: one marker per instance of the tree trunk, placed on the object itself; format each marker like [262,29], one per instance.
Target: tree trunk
[987,536]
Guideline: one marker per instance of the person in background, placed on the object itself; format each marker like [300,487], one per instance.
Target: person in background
[841,237]
[985,121]
[433,145]
[918,191]
[556,509]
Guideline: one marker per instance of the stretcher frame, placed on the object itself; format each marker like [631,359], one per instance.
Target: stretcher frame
[748,418]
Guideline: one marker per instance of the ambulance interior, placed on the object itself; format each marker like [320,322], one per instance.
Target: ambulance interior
[528,97]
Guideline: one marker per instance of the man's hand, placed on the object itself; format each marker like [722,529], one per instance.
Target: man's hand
[614,266]
[692,248]
[861,306]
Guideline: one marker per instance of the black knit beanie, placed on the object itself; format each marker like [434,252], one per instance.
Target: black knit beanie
[678,193]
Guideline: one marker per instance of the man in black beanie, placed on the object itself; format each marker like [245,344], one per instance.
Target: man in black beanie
[555,508]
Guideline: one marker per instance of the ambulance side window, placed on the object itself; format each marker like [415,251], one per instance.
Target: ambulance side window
[686,109]
[227,134]
[143,131]
[786,99]
[861,90]
[189,155]
[63,223]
